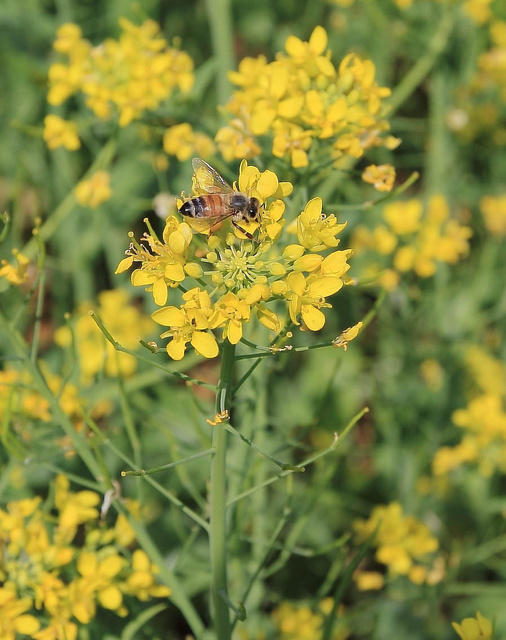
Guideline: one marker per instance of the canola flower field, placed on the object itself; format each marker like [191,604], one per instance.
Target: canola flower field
[252,320]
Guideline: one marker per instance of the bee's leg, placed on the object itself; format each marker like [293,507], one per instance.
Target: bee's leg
[246,233]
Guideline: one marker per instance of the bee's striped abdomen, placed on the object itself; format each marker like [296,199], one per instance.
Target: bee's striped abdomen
[203,207]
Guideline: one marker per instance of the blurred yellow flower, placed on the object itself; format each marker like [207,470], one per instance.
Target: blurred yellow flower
[478,628]
[417,240]
[16,274]
[181,141]
[60,133]
[300,622]
[493,209]
[369,580]
[403,543]
[478,10]
[94,191]
[382,176]
[123,320]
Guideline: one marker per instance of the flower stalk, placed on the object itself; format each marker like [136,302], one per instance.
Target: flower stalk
[217,533]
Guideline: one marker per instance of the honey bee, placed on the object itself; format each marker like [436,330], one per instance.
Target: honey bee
[220,201]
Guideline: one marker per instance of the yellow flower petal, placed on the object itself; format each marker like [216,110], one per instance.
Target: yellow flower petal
[205,344]
[267,184]
[297,283]
[169,317]
[160,292]
[313,318]
[110,597]
[124,265]
[324,287]
[318,40]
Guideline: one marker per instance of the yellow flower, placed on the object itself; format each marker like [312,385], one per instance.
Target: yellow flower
[60,133]
[234,141]
[381,176]
[307,298]
[231,312]
[417,240]
[315,231]
[94,191]
[190,323]
[15,274]
[162,263]
[478,628]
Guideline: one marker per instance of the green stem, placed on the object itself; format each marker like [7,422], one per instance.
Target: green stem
[217,532]
[420,71]
[220,21]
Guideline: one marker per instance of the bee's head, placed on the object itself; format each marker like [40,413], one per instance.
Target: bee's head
[253,209]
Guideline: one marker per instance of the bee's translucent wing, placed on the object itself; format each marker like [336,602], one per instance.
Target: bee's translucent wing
[208,224]
[205,179]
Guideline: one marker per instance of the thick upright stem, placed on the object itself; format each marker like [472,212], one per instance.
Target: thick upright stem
[217,532]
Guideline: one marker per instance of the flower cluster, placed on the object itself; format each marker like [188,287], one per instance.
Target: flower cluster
[239,274]
[403,544]
[483,421]
[95,353]
[53,580]
[493,209]
[300,622]
[415,240]
[302,103]
[127,76]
